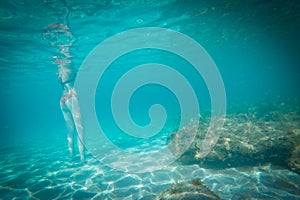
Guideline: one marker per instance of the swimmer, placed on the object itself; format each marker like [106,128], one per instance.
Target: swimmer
[71,112]
[59,35]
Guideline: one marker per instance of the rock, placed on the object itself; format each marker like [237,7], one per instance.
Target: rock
[251,138]
[294,161]
[193,190]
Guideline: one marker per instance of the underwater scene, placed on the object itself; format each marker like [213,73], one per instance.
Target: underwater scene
[149,99]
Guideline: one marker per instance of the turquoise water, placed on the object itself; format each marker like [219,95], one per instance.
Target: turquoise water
[254,44]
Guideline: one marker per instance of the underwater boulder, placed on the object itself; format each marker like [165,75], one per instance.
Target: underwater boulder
[294,161]
[247,139]
[192,190]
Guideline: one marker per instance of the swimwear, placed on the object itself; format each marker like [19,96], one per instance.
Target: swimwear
[67,96]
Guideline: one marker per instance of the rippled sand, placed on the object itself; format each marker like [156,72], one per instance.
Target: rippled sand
[41,171]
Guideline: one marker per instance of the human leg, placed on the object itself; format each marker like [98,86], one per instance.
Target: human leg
[70,126]
[79,127]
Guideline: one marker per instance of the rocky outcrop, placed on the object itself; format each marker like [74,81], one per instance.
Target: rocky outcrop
[192,190]
[248,138]
[294,161]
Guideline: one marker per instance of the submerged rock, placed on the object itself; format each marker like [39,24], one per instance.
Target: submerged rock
[256,137]
[294,161]
[193,190]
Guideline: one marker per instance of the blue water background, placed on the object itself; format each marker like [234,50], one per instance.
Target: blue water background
[255,45]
